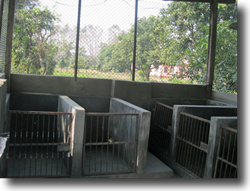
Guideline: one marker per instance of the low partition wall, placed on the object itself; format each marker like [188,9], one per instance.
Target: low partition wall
[120,106]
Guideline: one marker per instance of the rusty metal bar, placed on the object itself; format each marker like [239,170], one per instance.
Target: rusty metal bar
[116,141]
[227,146]
[159,137]
[190,151]
[31,139]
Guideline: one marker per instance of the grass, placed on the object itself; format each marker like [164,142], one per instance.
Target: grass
[83,73]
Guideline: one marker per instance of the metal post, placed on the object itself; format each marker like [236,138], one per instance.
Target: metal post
[211,46]
[10,28]
[77,37]
[135,35]
[1,17]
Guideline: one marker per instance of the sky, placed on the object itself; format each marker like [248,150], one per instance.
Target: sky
[104,13]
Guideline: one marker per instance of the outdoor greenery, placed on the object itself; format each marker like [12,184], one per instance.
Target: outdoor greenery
[177,35]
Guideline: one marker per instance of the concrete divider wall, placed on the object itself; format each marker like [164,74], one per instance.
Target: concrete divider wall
[137,93]
[120,106]
[33,102]
[65,104]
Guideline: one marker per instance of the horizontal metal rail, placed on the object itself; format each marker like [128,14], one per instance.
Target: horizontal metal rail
[195,117]
[110,114]
[40,112]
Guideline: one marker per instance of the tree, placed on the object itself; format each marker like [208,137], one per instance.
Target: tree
[113,33]
[225,72]
[91,40]
[183,34]
[33,49]
[147,43]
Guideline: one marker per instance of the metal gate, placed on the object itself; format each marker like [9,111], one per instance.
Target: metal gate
[191,143]
[159,137]
[226,159]
[110,143]
[39,144]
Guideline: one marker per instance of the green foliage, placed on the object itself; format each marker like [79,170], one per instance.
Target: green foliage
[33,52]
[225,71]
[177,36]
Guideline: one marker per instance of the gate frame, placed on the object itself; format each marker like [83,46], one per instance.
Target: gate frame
[135,142]
[61,145]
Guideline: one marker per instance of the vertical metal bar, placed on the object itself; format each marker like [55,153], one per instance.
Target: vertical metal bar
[84,146]
[102,141]
[47,153]
[90,141]
[211,46]
[37,134]
[228,150]
[108,144]
[77,37]
[119,139]
[136,141]
[26,137]
[135,36]
[9,37]
[199,166]
[193,151]
[15,133]
[1,17]
[41,167]
[126,129]
[218,152]
[188,139]
[114,127]
[224,145]
[20,147]
[52,153]
[96,141]
[58,140]
[235,146]
[31,148]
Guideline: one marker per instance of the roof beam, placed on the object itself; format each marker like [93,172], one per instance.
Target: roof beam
[207,1]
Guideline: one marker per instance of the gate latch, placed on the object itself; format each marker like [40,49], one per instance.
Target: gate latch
[63,147]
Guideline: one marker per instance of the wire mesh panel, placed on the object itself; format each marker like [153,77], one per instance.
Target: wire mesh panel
[168,41]
[110,143]
[106,39]
[3,32]
[191,143]
[225,74]
[45,37]
[37,145]
[159,137]
[226,159]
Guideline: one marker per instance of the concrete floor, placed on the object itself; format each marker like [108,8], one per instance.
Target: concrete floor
[43,165]
[37,164]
